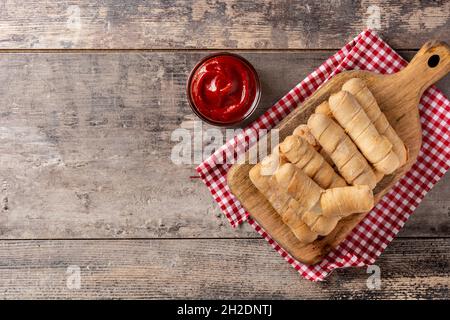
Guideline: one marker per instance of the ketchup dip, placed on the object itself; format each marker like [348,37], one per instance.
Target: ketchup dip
[223,89]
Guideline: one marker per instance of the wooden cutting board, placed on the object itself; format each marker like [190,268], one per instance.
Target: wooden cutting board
[398,96]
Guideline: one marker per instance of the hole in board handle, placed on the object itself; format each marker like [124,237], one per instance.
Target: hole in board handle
[433,61]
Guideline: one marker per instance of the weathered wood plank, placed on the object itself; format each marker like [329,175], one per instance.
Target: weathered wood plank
[85,146]
[211,24]
[208,269]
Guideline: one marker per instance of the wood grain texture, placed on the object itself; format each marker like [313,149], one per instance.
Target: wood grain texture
[398,96]
[85,141]
[179,24]
[85,146]
[228,269]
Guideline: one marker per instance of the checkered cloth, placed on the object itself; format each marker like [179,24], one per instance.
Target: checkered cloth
[372,235]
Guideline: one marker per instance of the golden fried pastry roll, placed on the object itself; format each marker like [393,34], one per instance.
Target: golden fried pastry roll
[344,201]
[365,98]
[293,220]
[285,205]
[297,184]
[351,164]
[319,223]
[304,132]
[324,108]
[352,117]
[299,152]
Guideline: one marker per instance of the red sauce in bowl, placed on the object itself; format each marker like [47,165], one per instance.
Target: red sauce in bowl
[223,89]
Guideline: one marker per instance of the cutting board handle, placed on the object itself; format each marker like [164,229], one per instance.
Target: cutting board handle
[430,64]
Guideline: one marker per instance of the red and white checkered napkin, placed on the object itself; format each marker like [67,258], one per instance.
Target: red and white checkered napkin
[372,235]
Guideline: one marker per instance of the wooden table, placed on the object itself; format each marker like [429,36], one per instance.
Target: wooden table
[89,96]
